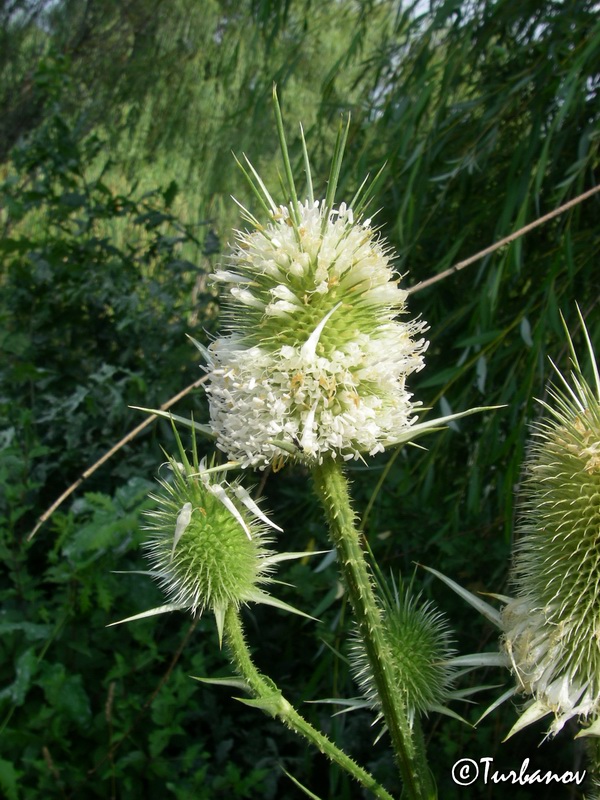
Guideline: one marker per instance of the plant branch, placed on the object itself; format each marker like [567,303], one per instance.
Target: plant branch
[506,240]
[90,471]
[270,700]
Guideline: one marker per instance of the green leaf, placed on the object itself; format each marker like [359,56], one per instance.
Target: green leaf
[235,683]
[33,631]
[9,780]
[25,669]
[66,693]
[270,705]
[170,193]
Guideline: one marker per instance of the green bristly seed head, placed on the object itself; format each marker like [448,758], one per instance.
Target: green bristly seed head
[419,641]
[213,563]
[552,627]
[208,539]
[208,542]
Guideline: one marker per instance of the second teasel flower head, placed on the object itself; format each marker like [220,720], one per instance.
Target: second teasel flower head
[420,645]
[315,358]
[209,544]
[552,627]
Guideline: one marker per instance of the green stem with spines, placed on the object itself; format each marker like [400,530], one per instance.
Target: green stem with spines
[407,740]
[270,700]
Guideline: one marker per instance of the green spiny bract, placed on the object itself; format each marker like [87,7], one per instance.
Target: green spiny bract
[209,543]
[552,627]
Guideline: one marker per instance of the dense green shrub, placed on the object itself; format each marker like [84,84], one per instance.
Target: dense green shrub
[98,288]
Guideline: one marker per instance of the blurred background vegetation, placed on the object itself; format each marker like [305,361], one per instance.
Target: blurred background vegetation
[117,122]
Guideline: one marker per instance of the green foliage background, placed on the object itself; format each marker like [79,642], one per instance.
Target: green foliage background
[116,126]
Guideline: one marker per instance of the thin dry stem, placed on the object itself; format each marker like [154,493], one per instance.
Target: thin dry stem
[90,471]
[507,240]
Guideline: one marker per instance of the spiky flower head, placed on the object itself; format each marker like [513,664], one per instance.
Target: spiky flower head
[315,359]
[552,627]
[209,542]
[420,644]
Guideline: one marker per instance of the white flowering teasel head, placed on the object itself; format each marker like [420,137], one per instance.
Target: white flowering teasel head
[315,358]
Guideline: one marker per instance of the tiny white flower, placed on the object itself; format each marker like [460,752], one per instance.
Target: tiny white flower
[316,354]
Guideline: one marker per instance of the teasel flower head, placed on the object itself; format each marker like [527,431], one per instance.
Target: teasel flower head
[420,643]
[209,543]
[425,664]
[550,628]
[316,353]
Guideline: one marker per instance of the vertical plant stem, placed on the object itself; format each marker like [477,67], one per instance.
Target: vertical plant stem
[270,699]
[407,740]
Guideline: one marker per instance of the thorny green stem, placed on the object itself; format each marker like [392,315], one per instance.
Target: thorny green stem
[407,740]
[269,698]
